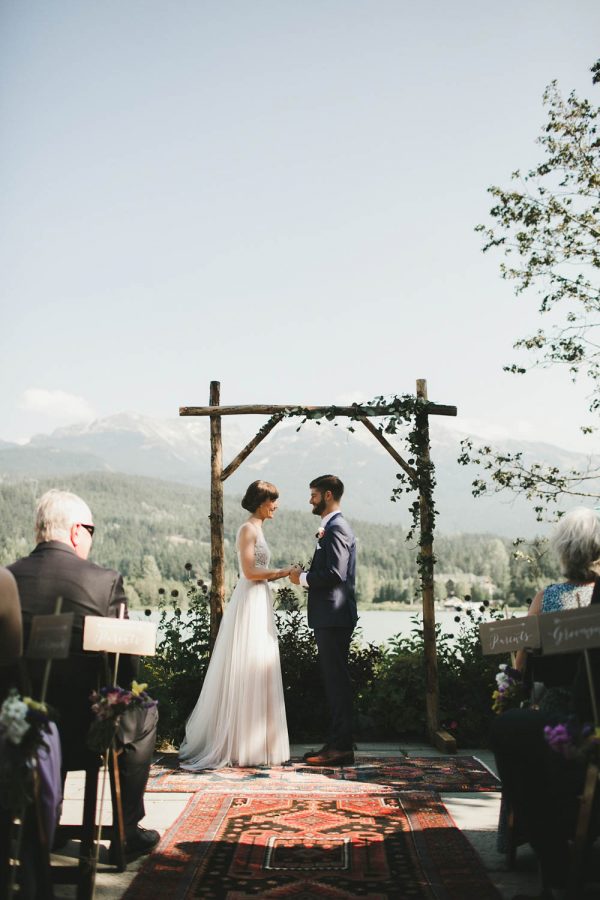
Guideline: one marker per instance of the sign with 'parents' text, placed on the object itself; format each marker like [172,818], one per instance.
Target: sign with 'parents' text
[572,629]
[509,635]
[119,636]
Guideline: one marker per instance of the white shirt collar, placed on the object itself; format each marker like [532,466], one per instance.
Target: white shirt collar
[329,516]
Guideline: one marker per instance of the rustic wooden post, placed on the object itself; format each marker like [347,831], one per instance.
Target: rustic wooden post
[217,537]
[441,739]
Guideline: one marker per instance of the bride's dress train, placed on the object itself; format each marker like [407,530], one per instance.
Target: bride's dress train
[239,719]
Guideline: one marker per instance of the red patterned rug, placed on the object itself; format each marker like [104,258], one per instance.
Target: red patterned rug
[374,846]
[423,773]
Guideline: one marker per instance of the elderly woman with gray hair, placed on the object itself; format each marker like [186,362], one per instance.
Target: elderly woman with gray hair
[541,785]
[576,542]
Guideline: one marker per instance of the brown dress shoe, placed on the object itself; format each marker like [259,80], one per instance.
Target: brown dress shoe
[332,757]
[315,752]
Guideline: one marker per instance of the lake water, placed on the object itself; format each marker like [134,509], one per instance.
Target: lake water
[376,626]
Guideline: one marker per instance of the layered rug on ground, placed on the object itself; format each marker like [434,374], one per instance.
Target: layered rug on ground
[442,774]
[377,846]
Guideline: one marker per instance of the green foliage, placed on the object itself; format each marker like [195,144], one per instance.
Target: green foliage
[466,682]
[176,673]
[149,529]
[547,224]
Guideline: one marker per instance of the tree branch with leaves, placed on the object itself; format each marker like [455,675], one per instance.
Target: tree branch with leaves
[547,225]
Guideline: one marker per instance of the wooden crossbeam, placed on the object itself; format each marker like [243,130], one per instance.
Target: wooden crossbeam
[239,459]
[357,411]
[412,473]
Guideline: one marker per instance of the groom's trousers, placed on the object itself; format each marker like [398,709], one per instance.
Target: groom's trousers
[333,645]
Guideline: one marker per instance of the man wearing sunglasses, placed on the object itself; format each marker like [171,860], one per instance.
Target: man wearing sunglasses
[59,567]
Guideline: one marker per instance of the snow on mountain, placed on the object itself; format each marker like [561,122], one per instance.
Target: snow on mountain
[179,450]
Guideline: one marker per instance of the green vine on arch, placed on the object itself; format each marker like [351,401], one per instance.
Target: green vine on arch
[395,413]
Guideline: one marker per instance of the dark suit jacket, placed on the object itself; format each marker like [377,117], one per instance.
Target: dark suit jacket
[331,578]
[54,570]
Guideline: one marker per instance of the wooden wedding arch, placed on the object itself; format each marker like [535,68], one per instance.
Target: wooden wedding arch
[419,475]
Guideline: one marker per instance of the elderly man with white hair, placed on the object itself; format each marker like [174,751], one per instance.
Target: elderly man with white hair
[59,567]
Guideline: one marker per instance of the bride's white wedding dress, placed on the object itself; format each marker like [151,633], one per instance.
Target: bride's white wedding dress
[239,719]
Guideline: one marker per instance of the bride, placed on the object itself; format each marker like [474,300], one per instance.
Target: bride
[239,719]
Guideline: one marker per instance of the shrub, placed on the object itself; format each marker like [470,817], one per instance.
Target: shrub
[176,673]
[389,680]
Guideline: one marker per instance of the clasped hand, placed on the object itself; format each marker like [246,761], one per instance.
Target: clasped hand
[295,574]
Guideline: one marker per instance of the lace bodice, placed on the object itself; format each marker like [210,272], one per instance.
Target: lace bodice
[262,554]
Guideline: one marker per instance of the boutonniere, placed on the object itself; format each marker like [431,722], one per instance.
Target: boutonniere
[320,533]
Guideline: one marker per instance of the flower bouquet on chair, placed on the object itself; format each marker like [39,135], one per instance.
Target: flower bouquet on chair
[24,730]
[510,691]
[108,705]
[574,741]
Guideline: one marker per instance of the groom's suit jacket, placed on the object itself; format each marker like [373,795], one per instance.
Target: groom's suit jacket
[332,576]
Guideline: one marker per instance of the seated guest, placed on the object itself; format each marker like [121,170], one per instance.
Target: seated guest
[11,631]
[59,567]
[541,785]
[48,756]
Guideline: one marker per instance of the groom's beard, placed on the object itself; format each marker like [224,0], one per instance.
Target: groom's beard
[319,508]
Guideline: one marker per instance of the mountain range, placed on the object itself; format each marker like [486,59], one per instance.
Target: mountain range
[179,450]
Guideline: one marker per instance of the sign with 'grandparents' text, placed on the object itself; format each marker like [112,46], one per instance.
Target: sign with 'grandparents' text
[572,629]
[510,635]
[119,636]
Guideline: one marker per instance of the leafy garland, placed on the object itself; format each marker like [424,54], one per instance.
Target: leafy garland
[396,412]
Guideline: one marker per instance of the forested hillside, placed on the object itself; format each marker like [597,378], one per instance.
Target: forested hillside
[149,529]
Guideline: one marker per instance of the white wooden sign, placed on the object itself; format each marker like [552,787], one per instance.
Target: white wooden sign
[119,636]
[572,629]
[509,635]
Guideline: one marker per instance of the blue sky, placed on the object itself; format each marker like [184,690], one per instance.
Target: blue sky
[277,195]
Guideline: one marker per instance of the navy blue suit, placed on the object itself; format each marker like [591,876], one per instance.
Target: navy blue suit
[332,614]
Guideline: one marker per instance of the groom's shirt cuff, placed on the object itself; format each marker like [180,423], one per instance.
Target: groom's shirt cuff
[303,579]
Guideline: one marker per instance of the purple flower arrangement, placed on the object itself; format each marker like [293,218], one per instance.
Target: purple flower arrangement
[572,741]
[108,705]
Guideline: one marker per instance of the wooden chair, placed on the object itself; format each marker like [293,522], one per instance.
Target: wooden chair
[509,636]
[564,654]
[83,875]
[24,851]
[50,639]
[106,635]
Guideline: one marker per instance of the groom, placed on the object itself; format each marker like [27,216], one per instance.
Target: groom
[332,614]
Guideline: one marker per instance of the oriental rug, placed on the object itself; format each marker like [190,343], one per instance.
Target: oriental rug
[441,773]
[375,846]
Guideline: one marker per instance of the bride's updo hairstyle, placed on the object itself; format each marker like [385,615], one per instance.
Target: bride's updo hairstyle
[257,493]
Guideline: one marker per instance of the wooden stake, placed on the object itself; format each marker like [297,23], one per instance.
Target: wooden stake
[426,554]
[391,450]
[48,665]
[252,445]
[217,536]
